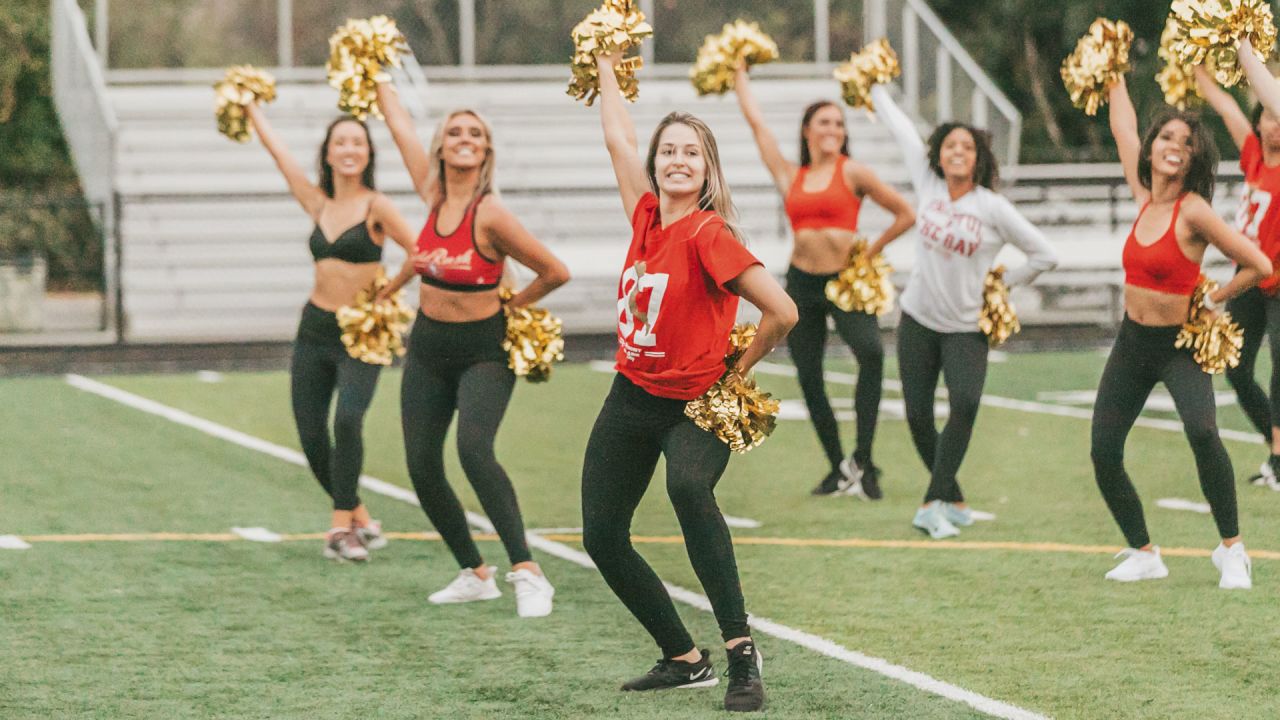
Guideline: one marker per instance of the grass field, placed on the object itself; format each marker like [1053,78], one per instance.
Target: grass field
[214,628]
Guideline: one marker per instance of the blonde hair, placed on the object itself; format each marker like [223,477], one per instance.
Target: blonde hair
[715,191]
[435,177]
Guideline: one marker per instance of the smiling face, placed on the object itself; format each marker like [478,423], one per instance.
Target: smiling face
[958,155]
[680,162]
[825,132]
[347,151]
[1171,150]
[466,142]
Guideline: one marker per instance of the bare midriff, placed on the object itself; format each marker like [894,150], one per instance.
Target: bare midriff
[338,282]
[453,306]
[822,251]
[1155,308]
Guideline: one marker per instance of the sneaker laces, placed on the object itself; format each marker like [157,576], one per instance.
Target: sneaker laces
[741,665]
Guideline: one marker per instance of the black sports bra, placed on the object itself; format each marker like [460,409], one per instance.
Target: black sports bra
[354,245]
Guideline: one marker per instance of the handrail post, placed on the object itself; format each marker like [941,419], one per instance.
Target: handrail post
[646,48]
[101,30]
[822,31]
[874,20]
[467,33]
[284,33]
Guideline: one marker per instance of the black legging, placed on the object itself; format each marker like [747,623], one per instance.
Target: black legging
[962,359]
[1250,311]
[1141,357]
[632,430]
[320,364]
[807,344]
[460,366]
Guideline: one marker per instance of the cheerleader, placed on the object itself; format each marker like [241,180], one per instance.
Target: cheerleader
[822,197]
[456,363]
[686,268]
[962,225]
[352,221]
[1171,175]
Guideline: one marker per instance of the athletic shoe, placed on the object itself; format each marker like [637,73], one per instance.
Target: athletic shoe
[931,519]
[467,587]
[956,515]
[832,484]
[533,593]
[342,544]
[746,689]
[670,674]
[371,535]
[1234,564]
[1266,477]
[1139,565]
[855,479]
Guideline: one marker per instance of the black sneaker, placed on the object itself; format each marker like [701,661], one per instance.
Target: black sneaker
[833,483]
[871,482]
[668,674]
[746,689]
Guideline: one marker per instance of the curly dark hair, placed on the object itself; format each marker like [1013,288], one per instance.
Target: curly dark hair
[809,112]
[1201,173]
[326,170]
[986,171]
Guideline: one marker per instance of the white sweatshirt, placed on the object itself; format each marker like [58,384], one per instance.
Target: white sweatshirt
[957,240]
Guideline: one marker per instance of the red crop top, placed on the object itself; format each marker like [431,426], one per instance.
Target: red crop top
[836,206]
[1160,266]
[454,261]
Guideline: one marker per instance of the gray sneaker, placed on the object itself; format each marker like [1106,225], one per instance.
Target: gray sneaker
[371,535]
[343,544]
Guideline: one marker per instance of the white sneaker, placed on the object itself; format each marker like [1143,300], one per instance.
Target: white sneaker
[1234,564]
[371,535]
[958,516]
[931,519]
[1266,477]
[1139,565]
[851,484]
[533,593]
[342,544]
[467,587]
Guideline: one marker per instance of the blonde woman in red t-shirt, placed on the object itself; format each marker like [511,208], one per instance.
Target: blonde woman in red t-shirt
[1257,310]
[677,302]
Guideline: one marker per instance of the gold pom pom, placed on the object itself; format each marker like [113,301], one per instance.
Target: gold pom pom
[998,319]
[874,64]
[1214,339]
[1101,57]
[243,85]
[1208,30]
[372,330]
[735,409]
[1176,79]
[740,41]
[358,52]
[615,26]
[866,285]
[535,340]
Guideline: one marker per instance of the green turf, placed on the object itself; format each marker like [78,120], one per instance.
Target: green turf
[247,630]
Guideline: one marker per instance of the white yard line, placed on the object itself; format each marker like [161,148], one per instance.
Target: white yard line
[823,646]
[1183,504]
[13,542]
[1027,406]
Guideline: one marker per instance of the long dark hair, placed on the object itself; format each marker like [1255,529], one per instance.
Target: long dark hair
[1255,118]
[809,112]
[986,170]
[326,170]
[1202,171]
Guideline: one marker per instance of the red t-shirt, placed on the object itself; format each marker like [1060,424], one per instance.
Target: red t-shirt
[1259,215]
[674,313]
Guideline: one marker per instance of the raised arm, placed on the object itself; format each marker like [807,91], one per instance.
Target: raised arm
[779,167]
[508,235]
[1254,265]
[1225,105]
[777,313]
[391,223]
[1124,128]
[416,160]
[308,194]
[1266,87]
[914,154]
[868,184]
[1019,231]
[620,136]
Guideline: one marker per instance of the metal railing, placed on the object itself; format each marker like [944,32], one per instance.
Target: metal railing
[88,121]
[940,80]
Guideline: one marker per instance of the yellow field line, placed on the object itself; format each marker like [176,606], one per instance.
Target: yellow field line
[860,543]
